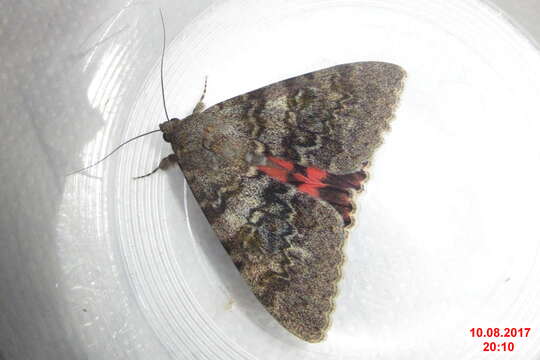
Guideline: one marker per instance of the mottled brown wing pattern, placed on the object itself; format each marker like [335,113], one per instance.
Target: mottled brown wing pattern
[273,170]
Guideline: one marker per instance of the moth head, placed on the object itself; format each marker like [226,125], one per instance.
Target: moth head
[168,128]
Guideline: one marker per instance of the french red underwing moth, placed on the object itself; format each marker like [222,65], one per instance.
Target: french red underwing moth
[276,171]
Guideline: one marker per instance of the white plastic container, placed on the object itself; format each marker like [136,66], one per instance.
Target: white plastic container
[98,266]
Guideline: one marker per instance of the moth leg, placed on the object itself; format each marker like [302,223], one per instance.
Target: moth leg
[200,105]
[164,164]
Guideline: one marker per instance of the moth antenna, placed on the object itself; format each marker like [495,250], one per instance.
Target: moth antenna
[162,97]
[112,152]
[200,105]
[161,66]
[204,90]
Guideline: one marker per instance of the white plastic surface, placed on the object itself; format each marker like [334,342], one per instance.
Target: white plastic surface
[99,266]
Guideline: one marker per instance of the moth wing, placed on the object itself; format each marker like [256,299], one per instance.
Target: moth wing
[332,119]
[287,244]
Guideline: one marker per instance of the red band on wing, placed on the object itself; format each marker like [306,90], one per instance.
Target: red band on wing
[310,189]
[319,183]
[276,173]
[316,174]
[282,163]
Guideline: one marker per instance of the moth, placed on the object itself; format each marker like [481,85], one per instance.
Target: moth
[276,172]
